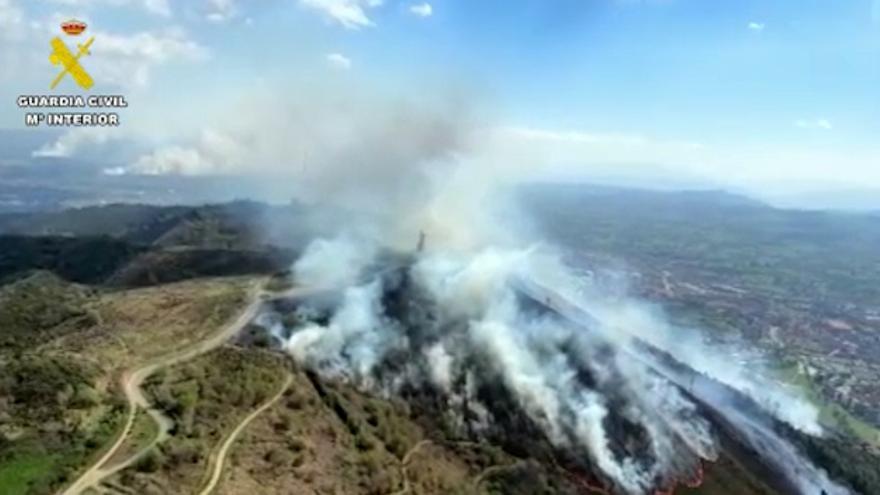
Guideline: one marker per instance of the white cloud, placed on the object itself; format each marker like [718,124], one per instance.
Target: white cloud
[815,124]
[171,160]
[571,137]
[352,14]
[339,61]
[159,7]
[756,26]
[151,46]
[14,28]
[75,140]
[327,138]
[11,20]
[220,11]
[129,60]
[422,9]
[215,153]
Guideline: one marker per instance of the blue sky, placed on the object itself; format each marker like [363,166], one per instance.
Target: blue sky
[742,92]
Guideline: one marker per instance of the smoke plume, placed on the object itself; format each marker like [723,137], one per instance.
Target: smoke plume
[479,330]
[470,320]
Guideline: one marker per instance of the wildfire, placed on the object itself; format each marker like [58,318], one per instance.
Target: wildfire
[697,479]
[693,482]
[590,484]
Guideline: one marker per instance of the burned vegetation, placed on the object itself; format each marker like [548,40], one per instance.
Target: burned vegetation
[513,365]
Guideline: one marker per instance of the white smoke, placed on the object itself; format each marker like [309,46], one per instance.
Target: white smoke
[440,363]
[333,262]
[539,360]
[347,346]
[524,352]
[464,324]
[726,365]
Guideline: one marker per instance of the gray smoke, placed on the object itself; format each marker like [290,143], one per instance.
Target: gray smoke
[480,331]
[461,319]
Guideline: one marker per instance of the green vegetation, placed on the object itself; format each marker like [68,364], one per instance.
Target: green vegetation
[141,245]
[205,399]
[82,259]
[61,348]
[143,432]
[39,308]
[54,415]
[162,266]
[526,478]
[24,472]
[46,456]
[44,388]
[326,437]
[219,226]
[856,465]
[238,225]
[119,220]
[145,323]
[197,395]
[829,412]
[376,437]
[114,262]
[777,277]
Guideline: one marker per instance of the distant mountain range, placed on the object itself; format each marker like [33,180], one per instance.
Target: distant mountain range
[832,199]
[29,183]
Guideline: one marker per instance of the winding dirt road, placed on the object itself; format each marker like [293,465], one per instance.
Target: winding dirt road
[134,394]
[219,459]
[404,463]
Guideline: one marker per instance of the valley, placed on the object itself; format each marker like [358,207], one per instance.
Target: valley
[152,372]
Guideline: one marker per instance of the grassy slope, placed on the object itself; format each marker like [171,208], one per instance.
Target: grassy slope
[205,398]
[54,417]
[327,437]
[61,347]
[38,309]
[17,475]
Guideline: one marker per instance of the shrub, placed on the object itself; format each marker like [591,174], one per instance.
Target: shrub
[151,462]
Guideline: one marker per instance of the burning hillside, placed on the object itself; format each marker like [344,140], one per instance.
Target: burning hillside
[481,340]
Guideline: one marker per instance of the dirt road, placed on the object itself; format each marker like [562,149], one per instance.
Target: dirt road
[217,469]
[405,462]
[134,394]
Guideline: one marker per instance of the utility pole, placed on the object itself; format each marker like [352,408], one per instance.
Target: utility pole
[422,237]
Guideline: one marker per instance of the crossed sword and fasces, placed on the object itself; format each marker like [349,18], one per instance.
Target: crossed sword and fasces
[63,56]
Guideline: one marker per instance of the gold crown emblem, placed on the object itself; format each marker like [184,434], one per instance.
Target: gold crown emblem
[73,27]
